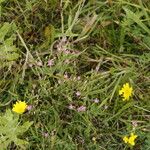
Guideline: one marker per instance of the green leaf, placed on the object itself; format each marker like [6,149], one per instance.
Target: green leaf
[4,30]
[8,51]
[24,127]
[136,18]
[11,130]
[49,33]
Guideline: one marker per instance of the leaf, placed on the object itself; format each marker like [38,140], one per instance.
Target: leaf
[136,18]
[25,127]
[8,51]
[49,33]
[4,30]
[21,143]
[10,130]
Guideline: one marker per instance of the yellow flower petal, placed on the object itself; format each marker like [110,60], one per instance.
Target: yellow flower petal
[125,139]
[19,107]
[120,92]
[131,139]
[126,91]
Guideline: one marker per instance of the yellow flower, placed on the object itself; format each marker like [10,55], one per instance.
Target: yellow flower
[125,139]
[19,107]
[131,139]
[126,91]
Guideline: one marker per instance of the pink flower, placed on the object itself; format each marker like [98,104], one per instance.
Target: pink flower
[29,107]
[50,62]
[96,100]
[66,76]
[134,123]
[30,65]
[71,107]
[66,51]
[78,78]
[81,109]
[78,93]
[45,134]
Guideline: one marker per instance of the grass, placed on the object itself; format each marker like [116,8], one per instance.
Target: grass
[95,47]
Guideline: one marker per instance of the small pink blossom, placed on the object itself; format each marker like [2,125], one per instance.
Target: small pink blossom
[30,65]
[66,51]
[81,109]
[66,76]
[96,100]
[29,107]
[71,107]
[78,78]
[134,123]
[50,62]
[78,93]
[45,134]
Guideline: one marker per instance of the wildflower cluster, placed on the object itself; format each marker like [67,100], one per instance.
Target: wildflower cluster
[20,107]
[131,139]
[79,109]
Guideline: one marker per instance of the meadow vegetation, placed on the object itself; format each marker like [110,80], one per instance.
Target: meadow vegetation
[75,74]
